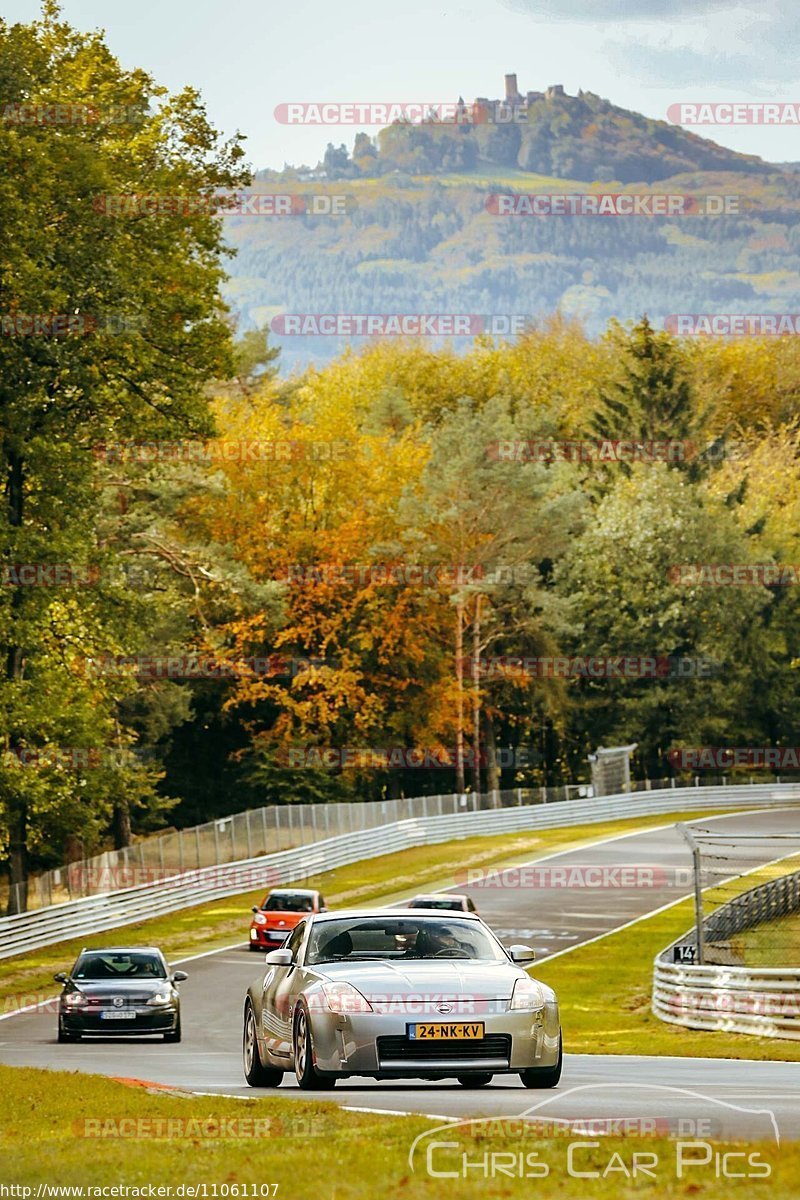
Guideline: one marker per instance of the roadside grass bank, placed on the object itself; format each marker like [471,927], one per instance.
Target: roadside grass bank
[28,977]
[604,989]
[105,1135]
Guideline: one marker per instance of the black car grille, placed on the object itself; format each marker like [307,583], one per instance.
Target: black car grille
[494,1045]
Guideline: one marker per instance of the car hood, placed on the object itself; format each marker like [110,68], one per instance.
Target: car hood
[456,978]
[120,987]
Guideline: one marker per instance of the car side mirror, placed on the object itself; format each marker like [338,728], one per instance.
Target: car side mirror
[61,977]
[254,908]
[522,954]
[279,958]
[323,908]
[179,976]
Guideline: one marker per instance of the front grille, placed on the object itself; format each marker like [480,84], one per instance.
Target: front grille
[494,1045]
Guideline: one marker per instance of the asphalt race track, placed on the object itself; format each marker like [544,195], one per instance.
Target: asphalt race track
[707,1095]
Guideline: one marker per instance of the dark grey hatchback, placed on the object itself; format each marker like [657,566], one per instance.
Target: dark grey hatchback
[119,991]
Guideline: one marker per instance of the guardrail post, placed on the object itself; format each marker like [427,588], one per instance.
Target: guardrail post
[698,892]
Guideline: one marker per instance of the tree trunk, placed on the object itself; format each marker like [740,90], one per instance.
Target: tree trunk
[476,697]
[460,691]
[492,766]
[18,860]
[18,809]
[121,824]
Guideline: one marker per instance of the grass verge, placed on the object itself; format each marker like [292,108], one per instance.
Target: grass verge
[317,1151]
[27,978]
[604,991]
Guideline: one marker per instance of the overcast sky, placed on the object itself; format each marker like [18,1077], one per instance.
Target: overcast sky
[642,54]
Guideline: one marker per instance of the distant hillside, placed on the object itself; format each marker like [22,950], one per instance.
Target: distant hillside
[419,234]
[549,133]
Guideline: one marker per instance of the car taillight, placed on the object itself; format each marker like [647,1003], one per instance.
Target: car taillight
[344,998]
[527,996]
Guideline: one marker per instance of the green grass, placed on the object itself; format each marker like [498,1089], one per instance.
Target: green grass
[27,977]
[772,944]
[317,1151]
[604,990]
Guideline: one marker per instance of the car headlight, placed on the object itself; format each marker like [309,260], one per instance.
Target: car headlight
[75,1000]
[160,998]
[259,919]
[344,998]
[527,996]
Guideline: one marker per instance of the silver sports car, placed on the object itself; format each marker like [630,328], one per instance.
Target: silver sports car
[399,994]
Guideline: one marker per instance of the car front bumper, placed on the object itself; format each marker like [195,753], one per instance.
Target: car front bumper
[376,1044]
[144,1020]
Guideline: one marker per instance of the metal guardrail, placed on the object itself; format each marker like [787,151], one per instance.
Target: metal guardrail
[734,999]
[758,1000]
[274,828]
[98,914]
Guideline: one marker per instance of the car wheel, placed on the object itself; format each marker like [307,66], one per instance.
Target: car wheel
[174,1035]
[308,1077]
[254,946]
[544,1077]
[474,1081]
[255,1073]
[63,1036]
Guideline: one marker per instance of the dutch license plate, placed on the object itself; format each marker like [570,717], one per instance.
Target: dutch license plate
[113,1015]
[446,1032]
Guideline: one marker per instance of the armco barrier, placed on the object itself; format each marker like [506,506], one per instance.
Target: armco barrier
[736,999]
[96,914]
[759,1000]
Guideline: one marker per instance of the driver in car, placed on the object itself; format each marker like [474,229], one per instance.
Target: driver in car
[439,941]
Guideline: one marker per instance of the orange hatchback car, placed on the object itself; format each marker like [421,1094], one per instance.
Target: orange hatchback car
[279,912]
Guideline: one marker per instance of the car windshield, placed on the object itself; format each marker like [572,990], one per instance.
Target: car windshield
[119,964]
[287,902]
[451,905]
[400,939]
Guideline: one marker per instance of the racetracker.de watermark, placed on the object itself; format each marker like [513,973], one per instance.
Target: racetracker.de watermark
[64,113]
[720,758]
[81,877]
[49,575]
[223,450]
[383,574]
[420,758]
[621,666]
[592,876]
[198,666]
[738,112]
[73,758]
[609,204]
[733,324]
[383,112]
[212,1128]
[593,450]
[398,324]
[236,204]
[734,574]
